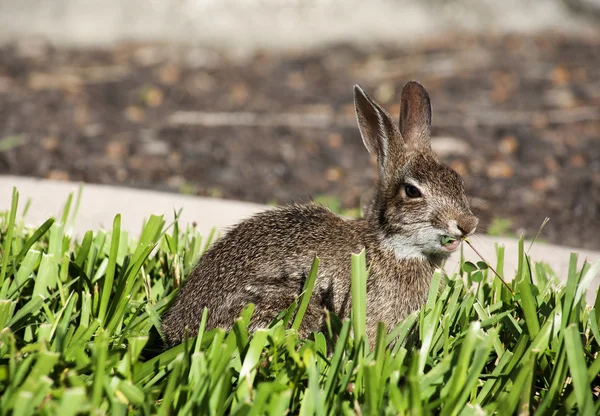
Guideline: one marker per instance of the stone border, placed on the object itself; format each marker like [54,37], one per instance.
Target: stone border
[100,203]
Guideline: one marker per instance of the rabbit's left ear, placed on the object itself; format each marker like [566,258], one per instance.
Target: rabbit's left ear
[415,117]
[379,132]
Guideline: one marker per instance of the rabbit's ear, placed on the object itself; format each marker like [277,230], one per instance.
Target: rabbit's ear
[379,132]
[415,117]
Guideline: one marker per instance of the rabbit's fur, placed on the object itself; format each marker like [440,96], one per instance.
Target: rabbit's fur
[265,259]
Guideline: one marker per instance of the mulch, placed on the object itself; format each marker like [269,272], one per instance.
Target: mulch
[518,116]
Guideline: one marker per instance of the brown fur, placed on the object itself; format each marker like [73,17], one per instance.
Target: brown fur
[265,259]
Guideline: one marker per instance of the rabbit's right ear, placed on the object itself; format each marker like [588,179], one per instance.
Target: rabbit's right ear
[415,116]
[379,132]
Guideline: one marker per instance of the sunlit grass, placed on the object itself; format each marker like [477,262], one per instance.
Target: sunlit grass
[76,315]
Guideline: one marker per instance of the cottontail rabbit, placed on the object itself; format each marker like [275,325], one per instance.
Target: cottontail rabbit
[418,215]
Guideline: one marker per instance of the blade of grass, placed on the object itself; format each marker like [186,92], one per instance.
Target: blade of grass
[107,287]
[585,282]
[529,307]
[37,235]
[66,209]
[359,300]
[10,226]
[309,285]
[578,370]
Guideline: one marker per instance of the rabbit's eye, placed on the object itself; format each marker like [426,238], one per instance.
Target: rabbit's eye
[412,191]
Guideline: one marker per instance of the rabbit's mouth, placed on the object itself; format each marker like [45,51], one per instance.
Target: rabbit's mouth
[450,243]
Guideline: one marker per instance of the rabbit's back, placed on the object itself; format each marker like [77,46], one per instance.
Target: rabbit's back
[265,260]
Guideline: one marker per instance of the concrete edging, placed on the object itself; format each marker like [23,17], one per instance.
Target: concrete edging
[100,203]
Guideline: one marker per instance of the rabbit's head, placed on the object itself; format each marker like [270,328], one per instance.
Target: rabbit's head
[420,206]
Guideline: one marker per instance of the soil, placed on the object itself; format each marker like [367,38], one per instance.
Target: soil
[518,116]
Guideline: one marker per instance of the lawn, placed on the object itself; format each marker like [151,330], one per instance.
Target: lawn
[76,316]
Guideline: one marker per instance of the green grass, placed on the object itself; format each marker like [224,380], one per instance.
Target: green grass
[500,227]
[74,319]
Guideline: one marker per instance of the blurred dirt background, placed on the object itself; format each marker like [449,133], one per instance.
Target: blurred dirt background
[518,116]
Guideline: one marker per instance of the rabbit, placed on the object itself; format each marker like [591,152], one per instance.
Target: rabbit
[418,215]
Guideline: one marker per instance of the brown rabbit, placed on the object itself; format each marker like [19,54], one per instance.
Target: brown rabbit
[418,206]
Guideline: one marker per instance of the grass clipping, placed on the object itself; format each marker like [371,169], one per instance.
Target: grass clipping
[74,318]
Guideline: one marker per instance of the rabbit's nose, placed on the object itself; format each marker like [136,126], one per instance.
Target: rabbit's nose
[467,225]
